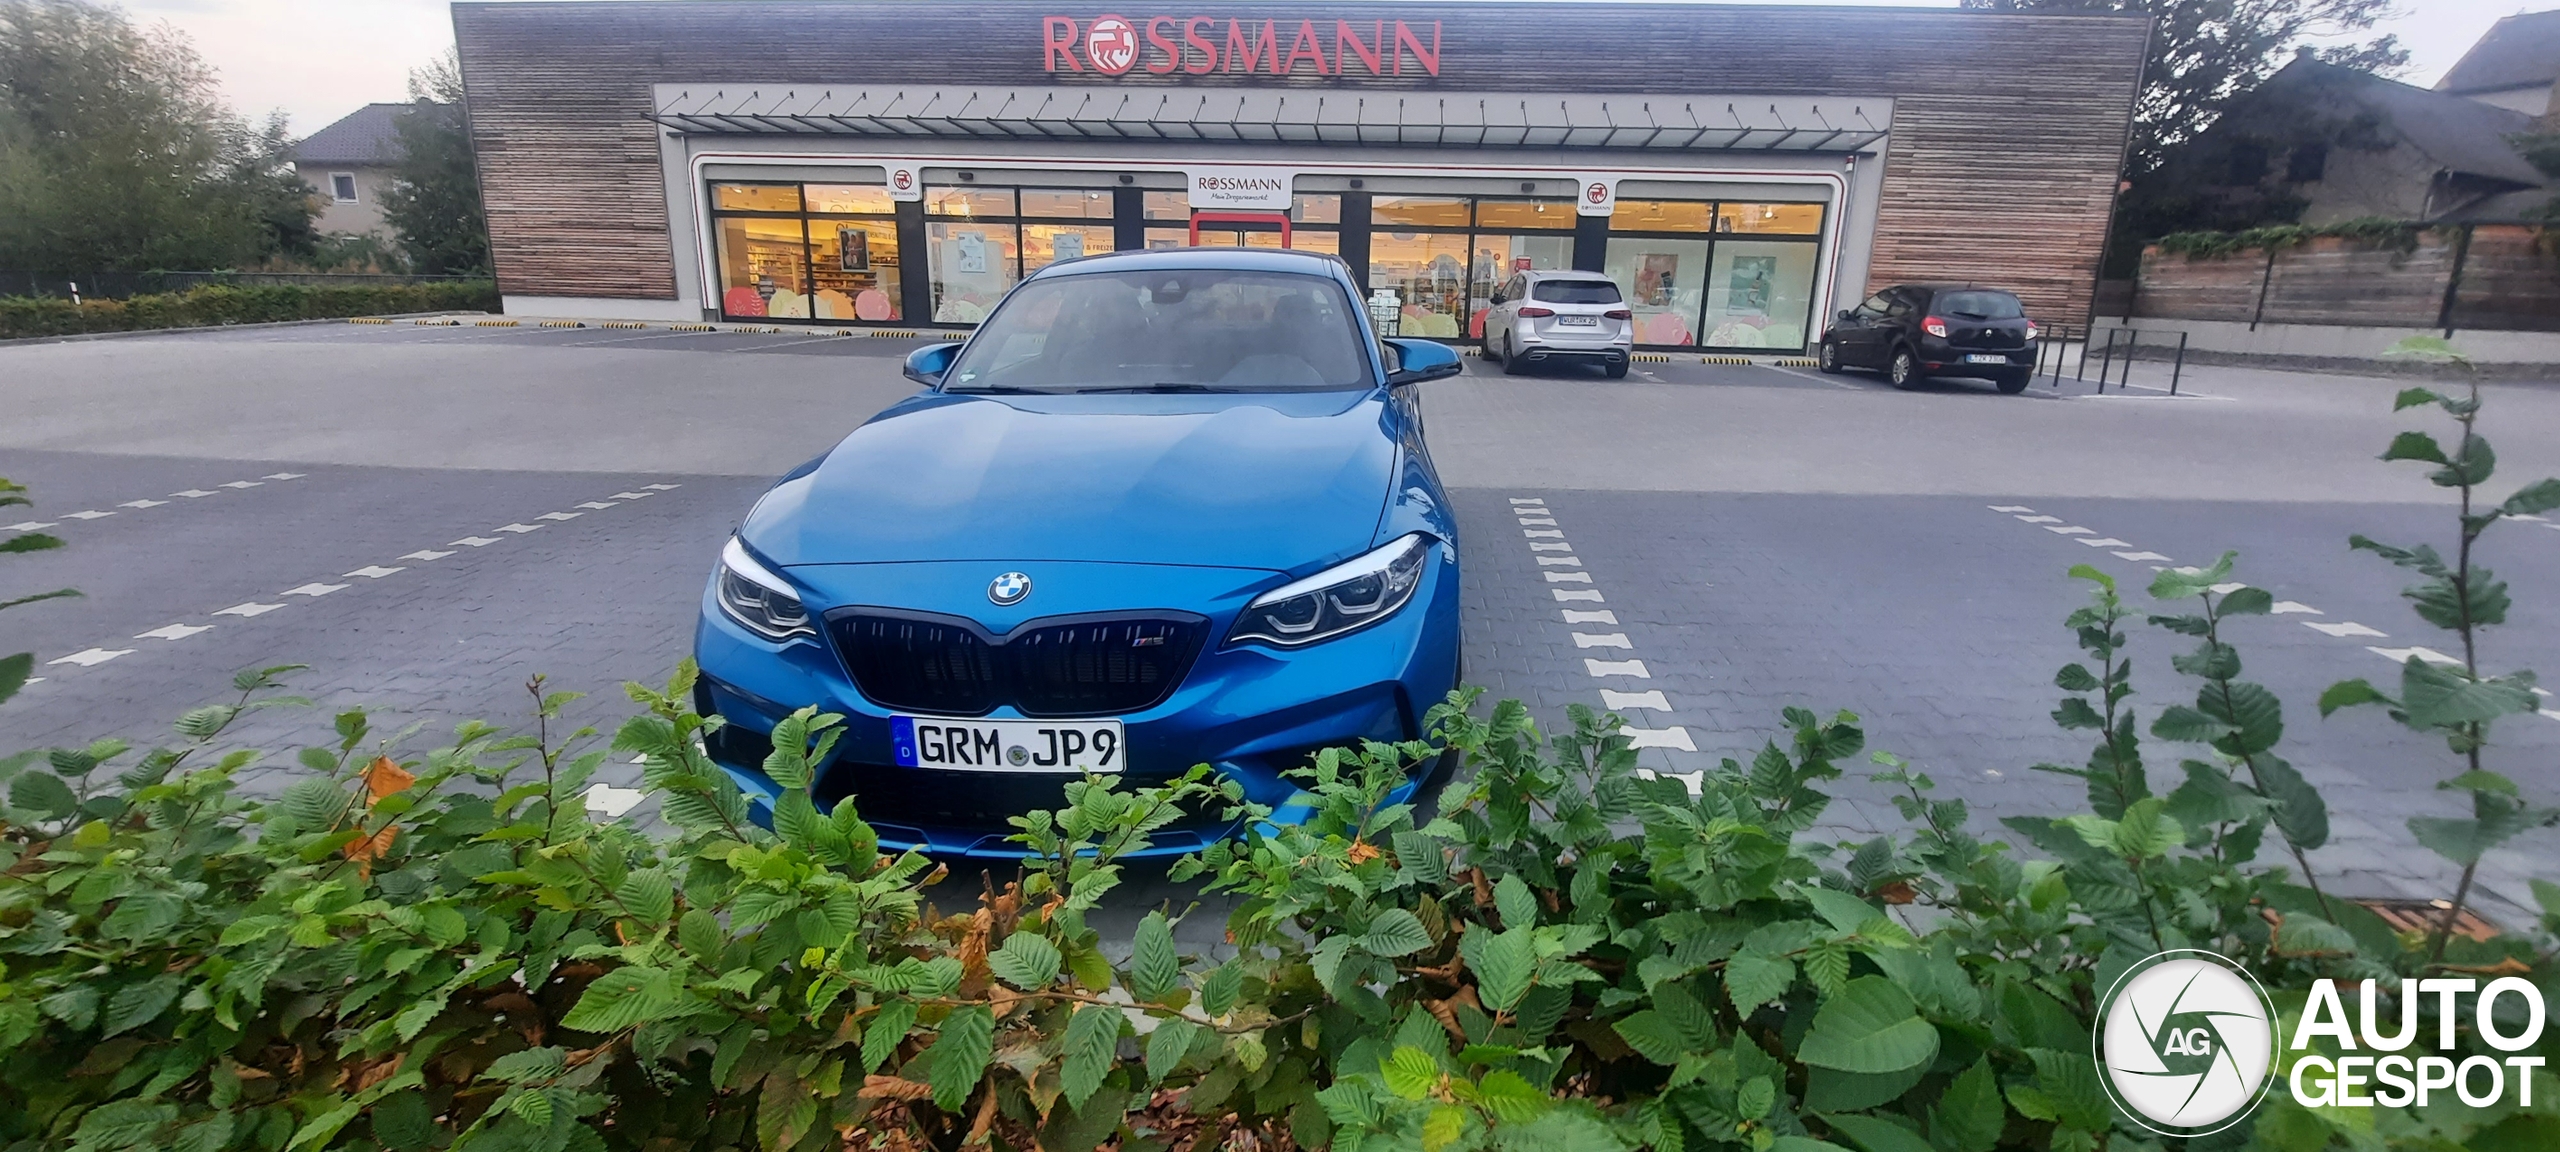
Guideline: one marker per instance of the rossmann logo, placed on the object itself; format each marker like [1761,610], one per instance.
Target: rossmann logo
[2188,1042]
[1200,45]
[1240,183]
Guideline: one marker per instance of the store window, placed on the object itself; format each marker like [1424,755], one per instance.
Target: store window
[983,241]
[1730,274]
[816,252]
[764,268]
[1444,256]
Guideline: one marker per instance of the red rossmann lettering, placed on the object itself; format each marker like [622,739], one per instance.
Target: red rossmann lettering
[1214,44]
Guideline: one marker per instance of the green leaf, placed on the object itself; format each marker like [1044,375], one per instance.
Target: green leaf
[1803,1144]
[42,794]
[2303,934]
[1753,979]
[1395,932]
[880,1037]
[620,999]
[1218,990]
[1093,1034]
[2533,499]
[1968,1117]
[2462,841]
[2248,602]
[127,1123]
[700,935]
[1875,1133]
[14,671]
[530,1064]
[1511,1097]
[1517,904]
[2349,693]
[1027,961]
[2436,696]
[959,1055]
[1653,1036]
[1872,1027]
[1504,964]
[2413,397]
[1166,1046]
[649,895]
[135,1005]
[1845,912]
[1410,1072]
[1154,968]
[2415,446]
[2300,811]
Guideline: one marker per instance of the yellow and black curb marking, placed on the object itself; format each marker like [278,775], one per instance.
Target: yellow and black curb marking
[496,323]
[564,324]
[1795,362]
[437,323]
[623,324]
[366,320]
[895,334]
[1725,360]
[693,327]
[1650,358]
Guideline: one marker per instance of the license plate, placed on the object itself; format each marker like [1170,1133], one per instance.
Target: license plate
[1007,745]
[1579,321]
[1979,358]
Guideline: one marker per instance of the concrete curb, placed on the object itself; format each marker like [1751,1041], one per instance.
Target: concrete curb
[79,337]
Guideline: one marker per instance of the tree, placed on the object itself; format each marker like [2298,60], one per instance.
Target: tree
[117,154]
[433,203]
[2204,52]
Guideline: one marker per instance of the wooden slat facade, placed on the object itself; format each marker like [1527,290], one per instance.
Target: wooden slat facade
[2006,141]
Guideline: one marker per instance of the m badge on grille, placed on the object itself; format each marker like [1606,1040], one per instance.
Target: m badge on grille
[1009,589]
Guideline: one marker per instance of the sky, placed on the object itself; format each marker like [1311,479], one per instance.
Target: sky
[317,60]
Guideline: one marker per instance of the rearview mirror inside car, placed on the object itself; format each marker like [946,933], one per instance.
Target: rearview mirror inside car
[927,364]
[1418,360]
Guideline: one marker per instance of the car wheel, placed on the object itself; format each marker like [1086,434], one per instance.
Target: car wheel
[1493,349]
[1830,357]
[1904,370]
[1617,371]
[1512,364]
[2013,383]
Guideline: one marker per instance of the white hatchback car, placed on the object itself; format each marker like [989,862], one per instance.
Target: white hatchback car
[1559,317]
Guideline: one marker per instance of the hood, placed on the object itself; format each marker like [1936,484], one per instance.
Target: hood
[1279,482]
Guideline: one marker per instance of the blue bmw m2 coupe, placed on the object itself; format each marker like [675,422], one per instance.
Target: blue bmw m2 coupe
[1161,509]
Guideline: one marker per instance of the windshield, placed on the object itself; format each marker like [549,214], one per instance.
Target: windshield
[1169,330]
[1981,305]
[1575,292]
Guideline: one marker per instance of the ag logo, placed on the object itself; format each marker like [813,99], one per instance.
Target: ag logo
[2187,1043]
[1112,45]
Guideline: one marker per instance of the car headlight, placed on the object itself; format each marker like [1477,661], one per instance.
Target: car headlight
[1344,598]
[755,597]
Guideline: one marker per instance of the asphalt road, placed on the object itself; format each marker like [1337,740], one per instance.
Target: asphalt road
[429,516]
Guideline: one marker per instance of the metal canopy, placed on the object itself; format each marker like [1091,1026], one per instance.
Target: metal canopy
[1270,116]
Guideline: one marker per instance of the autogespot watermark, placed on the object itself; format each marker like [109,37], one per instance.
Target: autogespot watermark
[2188,1042]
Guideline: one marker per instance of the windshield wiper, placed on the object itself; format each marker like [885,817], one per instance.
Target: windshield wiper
[1001,389]
[1163,387]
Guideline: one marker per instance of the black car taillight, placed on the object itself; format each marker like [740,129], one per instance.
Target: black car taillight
[1619,314]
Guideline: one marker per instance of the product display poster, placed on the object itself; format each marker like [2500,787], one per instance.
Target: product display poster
[969,253]
[853,246]
[1653,282]
[1070,245]
[1749,285]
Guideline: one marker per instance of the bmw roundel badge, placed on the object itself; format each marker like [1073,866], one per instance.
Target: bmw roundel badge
[1009,589]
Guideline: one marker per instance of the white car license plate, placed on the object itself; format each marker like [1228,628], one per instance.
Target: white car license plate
[1579,321]
[1007,745]
[1980,358]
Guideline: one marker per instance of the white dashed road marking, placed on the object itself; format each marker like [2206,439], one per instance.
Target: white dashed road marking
[314,590]
[2402,655]
[1672,737]
[559,515]
[1614,700]
[1566,561]
[423,554]
[1603,616]
[518,529]
[607,800]
[91,515]
[2344,629]
[92,657]
[1588,594]
[1633,668]
[194,493]
[2284,606]
[252,608]
[599,505]
[142,504]
[377,572]
[244,484]
[2108,542]
[1601,640]
[30,525]
[2141,557]
[173,631]
[477,541]
[1567,577]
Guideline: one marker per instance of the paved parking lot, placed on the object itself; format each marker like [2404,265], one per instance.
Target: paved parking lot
[428,516]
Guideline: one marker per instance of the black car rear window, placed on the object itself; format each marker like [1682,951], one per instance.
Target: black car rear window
[1981,305]
[1575,292]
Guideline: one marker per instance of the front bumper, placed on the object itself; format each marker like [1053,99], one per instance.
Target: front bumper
[1249,711]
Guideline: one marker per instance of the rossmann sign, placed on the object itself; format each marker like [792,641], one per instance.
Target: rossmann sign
[1110,45]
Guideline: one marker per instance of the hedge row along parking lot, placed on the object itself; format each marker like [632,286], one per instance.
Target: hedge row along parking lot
[33,316]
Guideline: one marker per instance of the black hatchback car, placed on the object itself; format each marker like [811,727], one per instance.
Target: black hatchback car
[1912,332]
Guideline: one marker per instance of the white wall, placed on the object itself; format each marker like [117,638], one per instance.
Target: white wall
[2335,342]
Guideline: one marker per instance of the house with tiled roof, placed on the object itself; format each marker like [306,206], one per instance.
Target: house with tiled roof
[2513,67]
[350,163]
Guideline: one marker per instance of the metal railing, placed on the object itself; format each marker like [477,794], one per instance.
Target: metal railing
[2066,348]
[2131,341]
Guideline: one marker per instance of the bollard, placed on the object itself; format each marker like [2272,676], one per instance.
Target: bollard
[2180,368]
[2108,364]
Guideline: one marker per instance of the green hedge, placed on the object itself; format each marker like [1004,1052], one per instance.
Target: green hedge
[22,316]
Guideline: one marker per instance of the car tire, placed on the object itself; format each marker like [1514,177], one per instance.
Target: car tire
[1903,371]
[2012,383]
[1512,364]
[1616,370]
[1829,357]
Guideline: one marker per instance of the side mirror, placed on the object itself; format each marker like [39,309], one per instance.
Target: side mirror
[1418,360]
[1498,299]
[1847,315]
[927,364]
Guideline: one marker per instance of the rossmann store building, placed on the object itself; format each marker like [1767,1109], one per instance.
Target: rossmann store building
[1740,171]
